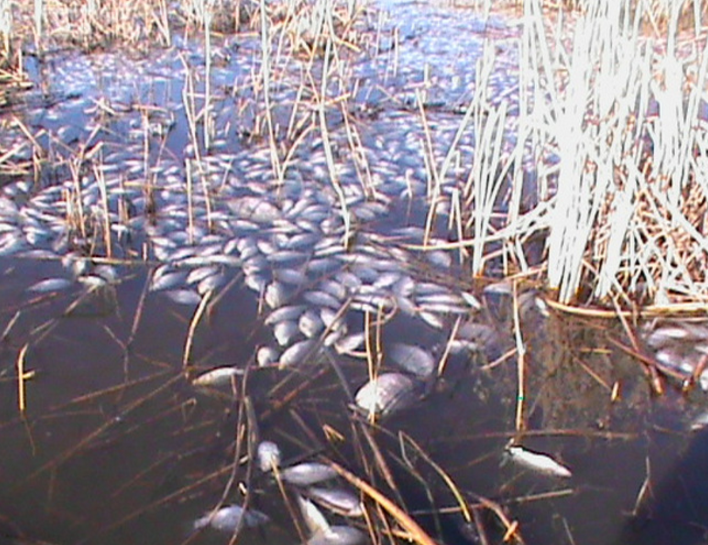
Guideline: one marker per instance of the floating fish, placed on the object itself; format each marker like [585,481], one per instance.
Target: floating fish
[217,377]
[538,462]
[307,473]
[338,535]
[268,455]
[276,295]
[291,312]
[351,343]
[411,358]
[310,324]
[50,285]
[339,500]
[184,297]
[322,299]
[228,518]
[285,332]
[267,355]
[386,393]
[297,353]
[314,518]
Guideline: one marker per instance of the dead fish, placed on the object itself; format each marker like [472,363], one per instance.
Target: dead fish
[211,283]
[298,352]
[284,332]
[314,519]
[388,279]
[439,258]
[432,319]
[268,455]
[92,281]
[228,518]
[217,377]
[290,276]
[338,500]
[538,462]
[338,535]
[350,344]
[276,295]
[322,299]
[386,393]
[307,473]
[184,297]
[286,256]
[50,285]
[291,312]
[310,323]
[254,209]
[197,275]
[267,355]
[413,359]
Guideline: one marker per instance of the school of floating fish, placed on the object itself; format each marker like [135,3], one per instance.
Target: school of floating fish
[316,256]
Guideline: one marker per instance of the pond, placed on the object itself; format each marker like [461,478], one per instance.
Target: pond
[173,297]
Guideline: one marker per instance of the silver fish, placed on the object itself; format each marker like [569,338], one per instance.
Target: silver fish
[217,377]
[322,299]
[386,394]
[307,473]
[298,352]
[411,358]
[50,285]
[267,355]
[310,324]
[314,518]
[338,535]
[269,456]
[339,500]
[284,332]
[288,313]
[538,462]
[228,518]
[183,297]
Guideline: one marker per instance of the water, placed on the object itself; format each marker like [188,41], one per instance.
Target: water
[174,260]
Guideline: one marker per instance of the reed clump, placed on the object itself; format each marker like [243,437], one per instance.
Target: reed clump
[627,217]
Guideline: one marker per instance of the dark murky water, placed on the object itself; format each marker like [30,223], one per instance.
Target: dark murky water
[117,445]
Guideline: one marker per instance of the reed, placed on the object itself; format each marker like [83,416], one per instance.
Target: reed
[613,117]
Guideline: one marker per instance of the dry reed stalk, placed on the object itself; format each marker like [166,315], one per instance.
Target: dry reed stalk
[520,420]
[22,376]
[106,227]
[198,313]
[266,75]
[6,29]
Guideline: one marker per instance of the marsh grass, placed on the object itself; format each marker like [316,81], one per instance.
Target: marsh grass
[609,116]
[627,210]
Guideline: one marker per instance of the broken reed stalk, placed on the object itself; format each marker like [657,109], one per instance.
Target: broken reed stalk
[21,377]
